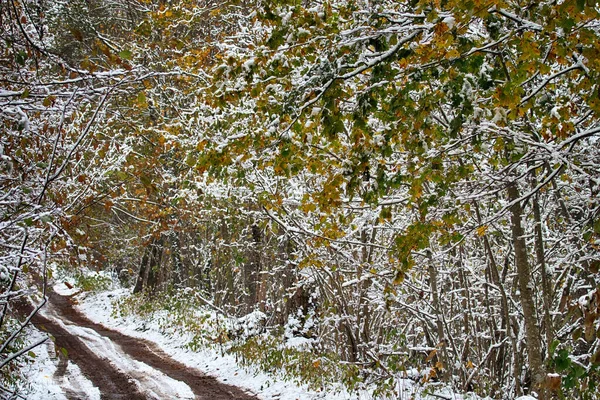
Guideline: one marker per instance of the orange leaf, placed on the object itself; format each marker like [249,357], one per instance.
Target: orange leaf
[431,355]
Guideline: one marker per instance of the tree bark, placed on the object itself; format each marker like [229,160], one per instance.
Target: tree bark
[541,262]
[143,274]
[506,320]
[442,341]
[180,275]
[155,264]
[532,332]
[148,277]
[252,269]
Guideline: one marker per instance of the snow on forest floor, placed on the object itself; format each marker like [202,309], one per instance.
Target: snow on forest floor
[98,308]
[43,380]
[45,383]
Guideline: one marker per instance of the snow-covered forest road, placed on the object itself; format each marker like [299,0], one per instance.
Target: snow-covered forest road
[121,367]
[316,199]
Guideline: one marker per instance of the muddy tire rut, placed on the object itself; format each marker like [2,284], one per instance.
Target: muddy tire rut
[113,383]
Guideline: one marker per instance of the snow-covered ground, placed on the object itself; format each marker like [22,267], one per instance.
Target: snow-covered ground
[44,385]
[154,384]
[98,308]
[223,367]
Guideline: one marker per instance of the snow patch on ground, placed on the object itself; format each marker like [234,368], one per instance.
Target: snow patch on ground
[155,384]
[222,366]
[43,385]
[65,288]
[98,308]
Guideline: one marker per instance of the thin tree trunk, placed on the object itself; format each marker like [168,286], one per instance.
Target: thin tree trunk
[148,277]
[507,322]
[180,276]
[442,343]
[252,269]
[143,274]
[155,265]
[541,261]
[532,333]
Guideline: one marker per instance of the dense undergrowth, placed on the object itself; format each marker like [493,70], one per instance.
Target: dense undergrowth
[282,352]
[92,282]
[10,375]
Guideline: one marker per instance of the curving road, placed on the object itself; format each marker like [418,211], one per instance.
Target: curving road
[122,367]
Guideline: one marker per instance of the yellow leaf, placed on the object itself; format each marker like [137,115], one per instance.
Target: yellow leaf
[316,363]
[452,54]
[431,355]
[470,364]
[482,230]
[399,278]
[48,101]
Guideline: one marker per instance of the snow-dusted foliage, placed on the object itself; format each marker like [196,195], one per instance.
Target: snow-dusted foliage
[434,170]
[54,158]
[410,186]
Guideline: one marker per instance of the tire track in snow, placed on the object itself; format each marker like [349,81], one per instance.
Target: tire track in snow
[138,369]
[113,384]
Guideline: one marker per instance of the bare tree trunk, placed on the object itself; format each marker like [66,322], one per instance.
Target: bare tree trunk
[143,274]
[155,265]
[532,333]
[442,341]
[148,277]
[261,298]
[506,320]
[363,314]
[252,269]
[180,275]
[541,262]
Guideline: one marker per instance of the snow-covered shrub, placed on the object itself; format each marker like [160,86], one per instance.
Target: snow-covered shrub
[93,281]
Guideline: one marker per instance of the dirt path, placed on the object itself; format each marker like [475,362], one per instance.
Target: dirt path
[113,382]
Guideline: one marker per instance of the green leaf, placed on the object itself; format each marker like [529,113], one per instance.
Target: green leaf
[277,38]
[553,347]
[125,54]
[141,98]
[21,57]
[567,24]
[578,370]
[144,29]
[64,352]
[562,360]
[190,160]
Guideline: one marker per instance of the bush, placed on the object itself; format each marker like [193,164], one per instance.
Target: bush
[93,282]
[10,375]
[269,350]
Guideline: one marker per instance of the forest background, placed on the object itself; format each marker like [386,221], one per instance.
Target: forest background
[411,185]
